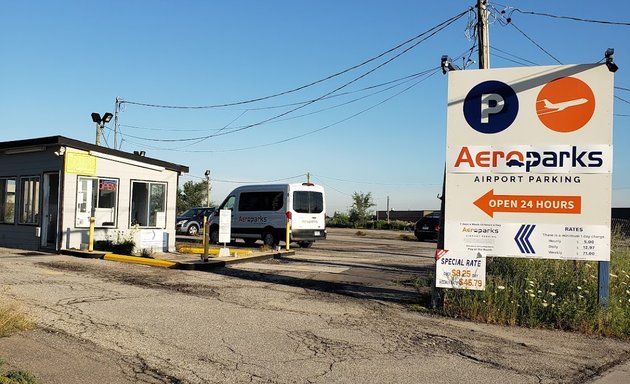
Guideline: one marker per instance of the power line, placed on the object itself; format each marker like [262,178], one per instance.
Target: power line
[435,70]
[621,99]
[248,182]
[445,23]
[434,30]
[535,43]
[429,33]
[426,72]
[401,80]
[568,18]
[374,183]
[523,60]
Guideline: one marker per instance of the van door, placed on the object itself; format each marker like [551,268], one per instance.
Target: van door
[308,221]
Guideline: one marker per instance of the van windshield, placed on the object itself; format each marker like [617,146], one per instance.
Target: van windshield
[308,202]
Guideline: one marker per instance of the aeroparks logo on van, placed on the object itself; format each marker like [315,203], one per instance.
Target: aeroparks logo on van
[490,107]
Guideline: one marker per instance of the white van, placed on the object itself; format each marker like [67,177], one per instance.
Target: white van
[260,212]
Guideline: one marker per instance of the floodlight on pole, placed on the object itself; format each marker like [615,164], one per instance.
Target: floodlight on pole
[100,122]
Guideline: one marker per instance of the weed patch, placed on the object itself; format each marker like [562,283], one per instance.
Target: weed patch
[542,293]
[12,320]
[16,377]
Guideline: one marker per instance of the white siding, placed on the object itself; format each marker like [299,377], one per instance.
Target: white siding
[73,237]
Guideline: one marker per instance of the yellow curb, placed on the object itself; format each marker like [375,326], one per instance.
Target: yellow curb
[213,251]
[140,260]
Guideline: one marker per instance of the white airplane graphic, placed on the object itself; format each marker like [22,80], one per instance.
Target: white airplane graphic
[557,107]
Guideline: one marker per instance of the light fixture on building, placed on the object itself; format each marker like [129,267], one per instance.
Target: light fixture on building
[447,64]
[608,55]
[60,151]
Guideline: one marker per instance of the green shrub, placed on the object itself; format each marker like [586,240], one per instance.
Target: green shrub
[16,377]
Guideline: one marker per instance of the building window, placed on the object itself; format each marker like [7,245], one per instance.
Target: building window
[29,203]
[148,204]
[7,201]
[97,196]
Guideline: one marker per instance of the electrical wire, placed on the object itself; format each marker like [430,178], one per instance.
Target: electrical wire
[401,80]
[429,33]
[535,43]
[429,71]
[569,18]
[446,23]
[435,70]
[523,60]
[248,182]
[374,183]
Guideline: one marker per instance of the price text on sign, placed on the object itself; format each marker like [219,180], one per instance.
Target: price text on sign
[465,272]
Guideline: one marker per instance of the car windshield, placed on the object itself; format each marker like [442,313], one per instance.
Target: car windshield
[190,213]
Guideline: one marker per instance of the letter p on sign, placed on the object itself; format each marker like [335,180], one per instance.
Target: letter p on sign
[491,104]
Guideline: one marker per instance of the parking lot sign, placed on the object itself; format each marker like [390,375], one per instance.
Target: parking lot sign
[529,163]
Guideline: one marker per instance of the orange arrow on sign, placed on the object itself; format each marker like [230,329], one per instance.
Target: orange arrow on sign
[491,203]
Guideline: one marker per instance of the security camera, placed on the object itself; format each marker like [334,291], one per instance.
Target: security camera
[608,55]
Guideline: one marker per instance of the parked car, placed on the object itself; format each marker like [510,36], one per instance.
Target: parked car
[191,221]
[428,227]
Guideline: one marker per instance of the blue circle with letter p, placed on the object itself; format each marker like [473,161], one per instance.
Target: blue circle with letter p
[490,107]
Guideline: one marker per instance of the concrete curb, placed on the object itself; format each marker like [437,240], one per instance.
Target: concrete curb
[191,265]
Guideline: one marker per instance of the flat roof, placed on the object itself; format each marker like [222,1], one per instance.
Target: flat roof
[64,141]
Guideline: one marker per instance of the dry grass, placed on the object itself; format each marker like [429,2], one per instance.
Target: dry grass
[12,320]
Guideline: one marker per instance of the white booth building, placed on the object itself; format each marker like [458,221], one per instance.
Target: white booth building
[50,186]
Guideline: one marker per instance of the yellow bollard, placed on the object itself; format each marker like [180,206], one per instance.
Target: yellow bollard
[91,235]
[206,240]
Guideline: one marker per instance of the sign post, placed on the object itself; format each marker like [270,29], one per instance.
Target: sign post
[530,149]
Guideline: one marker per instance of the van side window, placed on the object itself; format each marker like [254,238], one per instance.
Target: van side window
[228,203]
[308,202]
[261,201]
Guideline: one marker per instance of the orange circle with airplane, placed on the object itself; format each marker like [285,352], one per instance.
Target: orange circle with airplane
[565,104]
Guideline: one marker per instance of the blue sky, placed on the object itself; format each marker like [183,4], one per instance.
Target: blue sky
[383,132]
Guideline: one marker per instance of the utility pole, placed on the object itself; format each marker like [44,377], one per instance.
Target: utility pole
[387,209]
[484,63]
[116,110]
[482,34]
[308,177]
[98,134]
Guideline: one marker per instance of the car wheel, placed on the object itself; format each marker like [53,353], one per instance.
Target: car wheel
[193,230]
[305,244]
[270,239]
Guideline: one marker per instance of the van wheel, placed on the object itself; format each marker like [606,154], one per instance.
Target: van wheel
[193,230]
[214,235]
[270,239]
[305,244]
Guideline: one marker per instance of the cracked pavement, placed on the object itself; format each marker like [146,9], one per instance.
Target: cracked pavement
[334,313]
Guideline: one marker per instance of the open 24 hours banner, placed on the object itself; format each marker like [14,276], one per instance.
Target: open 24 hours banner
[529,166]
